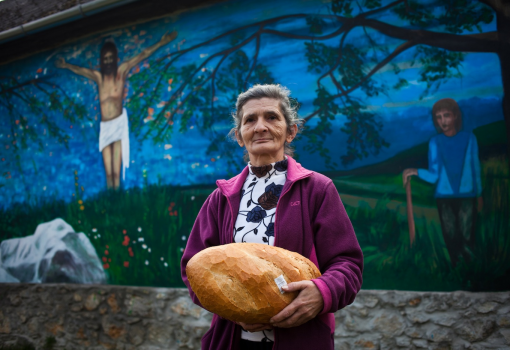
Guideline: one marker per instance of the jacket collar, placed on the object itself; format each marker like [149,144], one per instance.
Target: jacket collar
[234,185]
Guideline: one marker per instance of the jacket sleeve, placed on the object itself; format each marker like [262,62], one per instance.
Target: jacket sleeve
[205,233]
[338,252]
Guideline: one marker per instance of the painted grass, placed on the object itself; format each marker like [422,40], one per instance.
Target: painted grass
[390,262]
[139,234]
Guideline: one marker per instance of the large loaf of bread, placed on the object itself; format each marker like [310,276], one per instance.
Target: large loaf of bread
[237,281]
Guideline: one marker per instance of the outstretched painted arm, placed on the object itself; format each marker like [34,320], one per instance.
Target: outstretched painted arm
[126,66]
[86,72]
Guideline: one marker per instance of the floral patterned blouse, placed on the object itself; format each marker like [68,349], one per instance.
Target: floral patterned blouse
[259,197]
[255,220]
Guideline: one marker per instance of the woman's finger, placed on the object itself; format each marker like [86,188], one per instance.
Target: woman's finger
[287,312]
[297,319]
[304,313]
[302,309]
[295,286]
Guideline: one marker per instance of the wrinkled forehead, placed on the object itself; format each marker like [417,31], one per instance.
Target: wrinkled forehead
[262,105]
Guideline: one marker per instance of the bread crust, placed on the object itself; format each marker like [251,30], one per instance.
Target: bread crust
[236,281]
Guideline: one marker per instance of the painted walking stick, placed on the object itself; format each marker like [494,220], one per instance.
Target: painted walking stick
[410,216]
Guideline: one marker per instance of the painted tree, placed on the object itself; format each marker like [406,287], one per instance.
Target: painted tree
[440,33]
[437,33]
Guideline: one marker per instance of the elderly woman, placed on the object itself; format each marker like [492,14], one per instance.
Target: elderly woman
[276,201]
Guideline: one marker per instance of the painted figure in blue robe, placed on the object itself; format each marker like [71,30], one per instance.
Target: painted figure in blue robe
[454,167]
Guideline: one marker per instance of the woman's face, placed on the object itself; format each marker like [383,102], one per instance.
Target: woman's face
[264,131]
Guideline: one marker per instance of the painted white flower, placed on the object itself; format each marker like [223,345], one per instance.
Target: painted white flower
[146,262]
[183,238]
[139,229]
[144,246]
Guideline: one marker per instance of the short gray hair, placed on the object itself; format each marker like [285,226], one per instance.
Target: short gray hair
[288,107]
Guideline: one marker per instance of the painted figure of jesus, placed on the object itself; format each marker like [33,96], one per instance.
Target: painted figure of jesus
[111,81]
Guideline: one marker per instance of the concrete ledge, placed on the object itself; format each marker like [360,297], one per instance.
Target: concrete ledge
[120,317]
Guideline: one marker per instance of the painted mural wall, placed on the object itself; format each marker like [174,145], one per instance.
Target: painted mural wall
[110,144]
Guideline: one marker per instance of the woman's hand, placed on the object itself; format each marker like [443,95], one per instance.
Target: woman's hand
[407,173]
[255,327]
[306,306]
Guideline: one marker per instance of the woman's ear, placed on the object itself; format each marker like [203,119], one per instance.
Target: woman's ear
[239,139]
[292,134]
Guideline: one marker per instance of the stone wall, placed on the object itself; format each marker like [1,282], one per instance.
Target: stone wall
[117,317]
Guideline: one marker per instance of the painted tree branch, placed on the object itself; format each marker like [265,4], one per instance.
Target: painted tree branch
[484,42]
[256,24]
[255,56]
[25,83]
[374,70]
[380,9]
[225,54]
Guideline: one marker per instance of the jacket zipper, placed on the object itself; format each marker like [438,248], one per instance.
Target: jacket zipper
[275,230]
[232,241]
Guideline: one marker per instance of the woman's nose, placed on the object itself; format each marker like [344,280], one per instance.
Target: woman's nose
[260,126]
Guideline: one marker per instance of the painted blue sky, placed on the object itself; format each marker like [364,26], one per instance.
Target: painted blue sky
[182,160]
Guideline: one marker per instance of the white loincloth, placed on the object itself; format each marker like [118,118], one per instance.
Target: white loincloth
[115,130]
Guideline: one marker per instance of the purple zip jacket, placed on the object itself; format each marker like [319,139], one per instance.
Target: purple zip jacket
[310,220]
